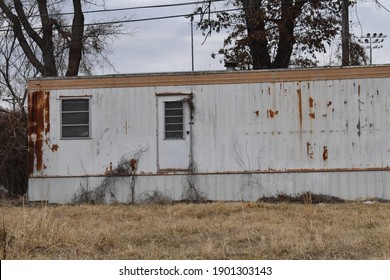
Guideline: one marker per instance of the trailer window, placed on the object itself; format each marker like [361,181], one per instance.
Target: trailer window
[75,118]
[174,120]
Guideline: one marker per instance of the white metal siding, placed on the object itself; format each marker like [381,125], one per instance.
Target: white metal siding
[328,136]
[123,122]
[225,187]
[234,130]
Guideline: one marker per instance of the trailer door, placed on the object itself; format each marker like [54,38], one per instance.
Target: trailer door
[174,132]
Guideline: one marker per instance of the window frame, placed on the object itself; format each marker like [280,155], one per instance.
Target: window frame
[182,137]
[67,98]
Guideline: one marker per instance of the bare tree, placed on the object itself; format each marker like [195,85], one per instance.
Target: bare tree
[50,41]
[272,33]
[14,72]
[38,39]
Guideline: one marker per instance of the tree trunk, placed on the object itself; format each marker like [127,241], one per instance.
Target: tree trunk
[258,43]
[286,36]
[345,44]
[76,43]
[47,38]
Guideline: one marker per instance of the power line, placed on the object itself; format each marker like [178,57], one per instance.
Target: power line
[158,18]
[143,19]
[135,8]
[126,9]
[150,7]
[380,4]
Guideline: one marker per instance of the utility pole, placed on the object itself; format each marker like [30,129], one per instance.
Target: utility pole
[372,41]
[345,32]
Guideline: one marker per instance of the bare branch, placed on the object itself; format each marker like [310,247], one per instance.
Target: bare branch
[17,28]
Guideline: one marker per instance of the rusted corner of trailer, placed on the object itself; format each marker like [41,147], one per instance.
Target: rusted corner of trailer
[38,128]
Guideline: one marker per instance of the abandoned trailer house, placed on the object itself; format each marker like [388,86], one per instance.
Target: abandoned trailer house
[228,135]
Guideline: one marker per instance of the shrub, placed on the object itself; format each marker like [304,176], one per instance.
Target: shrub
[13,153]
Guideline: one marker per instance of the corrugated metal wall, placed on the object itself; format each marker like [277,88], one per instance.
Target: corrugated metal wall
[249,140]
[318,125]
[225,187]
[123,122]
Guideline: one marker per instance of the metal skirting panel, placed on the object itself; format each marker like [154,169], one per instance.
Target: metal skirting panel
[223,187]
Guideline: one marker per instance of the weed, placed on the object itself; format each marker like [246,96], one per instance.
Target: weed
[190,191]
[155,197]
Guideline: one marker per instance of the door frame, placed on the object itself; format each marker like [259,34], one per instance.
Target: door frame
[187,121]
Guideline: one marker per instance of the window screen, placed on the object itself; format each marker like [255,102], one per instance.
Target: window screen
[75,118]
[174,120]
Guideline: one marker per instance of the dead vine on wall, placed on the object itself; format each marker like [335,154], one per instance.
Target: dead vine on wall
[126,169]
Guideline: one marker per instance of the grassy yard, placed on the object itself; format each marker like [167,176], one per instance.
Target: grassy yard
[196,231]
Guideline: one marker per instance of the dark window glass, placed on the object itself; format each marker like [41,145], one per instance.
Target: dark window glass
[75,105]
[174,120]
[75,118]
[75,131]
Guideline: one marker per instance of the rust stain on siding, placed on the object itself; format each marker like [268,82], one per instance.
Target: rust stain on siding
[311,102]
[47,113]
[325,153]
[133,164]
[271,114]
[257,113]
[38,127]
[54,148]
[299,93]
[312,115]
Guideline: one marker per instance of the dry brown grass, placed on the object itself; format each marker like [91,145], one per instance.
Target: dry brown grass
[197,231]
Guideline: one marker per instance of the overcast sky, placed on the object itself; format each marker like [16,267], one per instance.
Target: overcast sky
[165,45]
[160,45]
